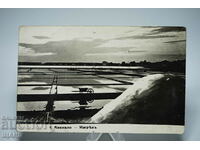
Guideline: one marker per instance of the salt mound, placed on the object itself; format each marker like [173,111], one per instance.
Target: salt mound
[156,99]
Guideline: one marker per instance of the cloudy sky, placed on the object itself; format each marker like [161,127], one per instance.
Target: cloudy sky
[97,44]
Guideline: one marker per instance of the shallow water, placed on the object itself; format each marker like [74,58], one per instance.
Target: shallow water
[67,76]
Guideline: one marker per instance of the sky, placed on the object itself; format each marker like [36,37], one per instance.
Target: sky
[101,43]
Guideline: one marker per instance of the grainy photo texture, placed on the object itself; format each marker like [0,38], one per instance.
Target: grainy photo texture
[101,78]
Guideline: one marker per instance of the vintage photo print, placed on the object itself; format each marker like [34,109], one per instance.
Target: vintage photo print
[126,79]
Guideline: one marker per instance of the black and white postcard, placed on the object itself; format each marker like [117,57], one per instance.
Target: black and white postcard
[126,79]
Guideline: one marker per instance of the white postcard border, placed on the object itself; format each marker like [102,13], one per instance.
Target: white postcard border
[102,128]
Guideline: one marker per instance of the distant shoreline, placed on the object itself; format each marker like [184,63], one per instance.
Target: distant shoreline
[165,66]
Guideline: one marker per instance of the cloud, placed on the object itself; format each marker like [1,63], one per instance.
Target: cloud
[119,53]
[83,45]
[136,51]
[29,52]
[167,29]
[151,32]
[41,37]
[66,50]
[177,41]
[108,54]
[146,37]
